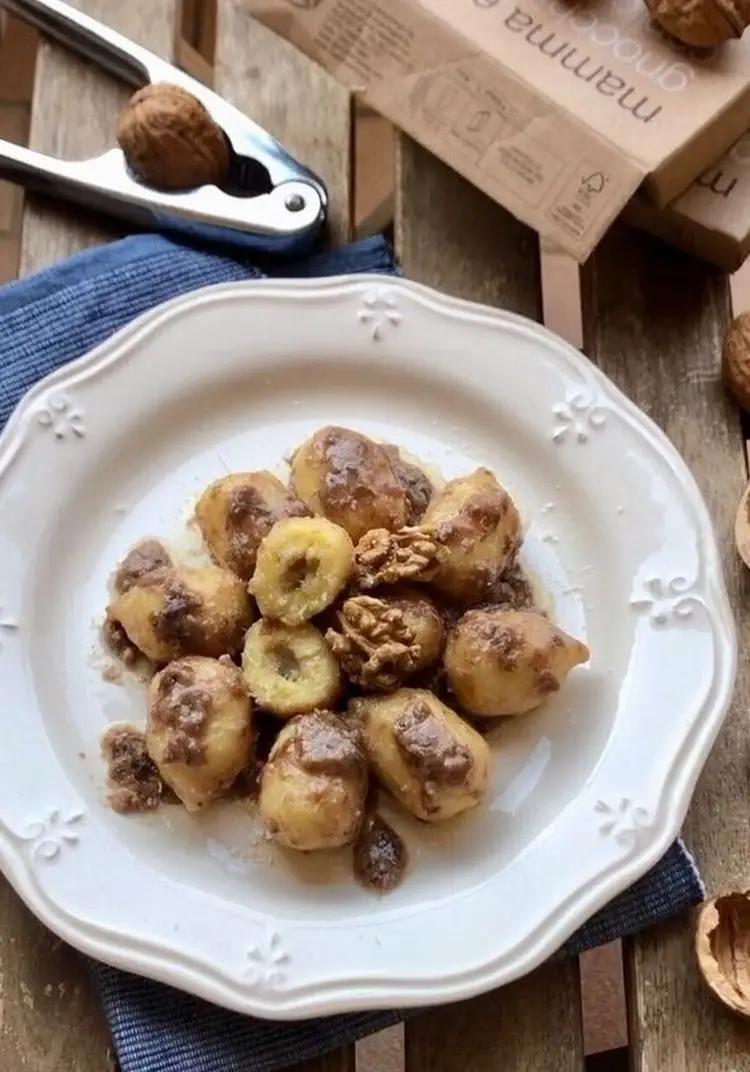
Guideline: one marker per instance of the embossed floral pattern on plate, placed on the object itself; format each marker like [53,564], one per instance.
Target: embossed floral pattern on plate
[378,310]
[62,418]
[668,602]
[578,416]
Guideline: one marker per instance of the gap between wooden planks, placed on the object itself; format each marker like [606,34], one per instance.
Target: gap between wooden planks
[478,272]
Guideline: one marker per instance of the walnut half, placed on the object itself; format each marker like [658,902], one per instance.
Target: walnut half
[376,647]
[409,554]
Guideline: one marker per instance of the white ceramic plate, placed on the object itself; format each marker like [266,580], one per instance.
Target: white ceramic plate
[586,793]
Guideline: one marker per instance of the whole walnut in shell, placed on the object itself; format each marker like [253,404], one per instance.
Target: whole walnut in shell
[170,140]
[736,359]
[701,23]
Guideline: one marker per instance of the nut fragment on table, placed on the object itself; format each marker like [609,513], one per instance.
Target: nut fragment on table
[701,23]
[409,554]
[170,140]
[722,945]
[736,359]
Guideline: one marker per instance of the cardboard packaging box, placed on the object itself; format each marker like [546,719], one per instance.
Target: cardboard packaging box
[558,109]
[712,217]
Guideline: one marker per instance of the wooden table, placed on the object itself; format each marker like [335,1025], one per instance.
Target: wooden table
[653,320]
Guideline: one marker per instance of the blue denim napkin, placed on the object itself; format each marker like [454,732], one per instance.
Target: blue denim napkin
[52,318]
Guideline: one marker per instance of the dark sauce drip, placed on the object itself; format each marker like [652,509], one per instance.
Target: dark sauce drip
[380,857]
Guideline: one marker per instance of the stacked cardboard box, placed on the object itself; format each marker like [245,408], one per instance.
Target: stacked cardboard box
[559,109]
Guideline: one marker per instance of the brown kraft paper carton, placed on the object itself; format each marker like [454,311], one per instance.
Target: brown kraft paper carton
[712,218]
[558,109]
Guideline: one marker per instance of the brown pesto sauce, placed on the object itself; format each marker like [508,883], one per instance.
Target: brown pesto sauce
[250,519]
[356,471]
[144,558]
[179,621]
[512,590]
[477,517]
[134,783]
[430,749]
[414,481]
[326,743]
[118,642]
[380,857]
[184,708]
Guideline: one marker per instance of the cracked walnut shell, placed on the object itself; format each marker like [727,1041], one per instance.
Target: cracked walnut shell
[409,554]
[722,946]
[701,23]
[742,527]
[170,140]
[735,364]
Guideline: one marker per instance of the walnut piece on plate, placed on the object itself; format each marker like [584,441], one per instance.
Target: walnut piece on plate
[376,646]
[409,554]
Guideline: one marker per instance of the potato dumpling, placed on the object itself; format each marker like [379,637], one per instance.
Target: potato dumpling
[237,511]
[432,761]
[290,669]
[477,521]
[349,479]
[313,788]
[507,662]
[424,619]
[414,481]
[303,563]
[382,641]
[184,610]
[199,731]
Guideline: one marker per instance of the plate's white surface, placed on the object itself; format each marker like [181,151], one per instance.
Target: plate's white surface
[586,794]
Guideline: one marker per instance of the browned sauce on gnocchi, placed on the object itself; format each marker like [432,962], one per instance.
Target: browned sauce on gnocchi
[349,629]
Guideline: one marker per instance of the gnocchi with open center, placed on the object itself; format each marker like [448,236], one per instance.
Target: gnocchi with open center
[355,629]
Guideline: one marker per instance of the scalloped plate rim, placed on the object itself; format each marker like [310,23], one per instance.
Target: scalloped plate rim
[159,961]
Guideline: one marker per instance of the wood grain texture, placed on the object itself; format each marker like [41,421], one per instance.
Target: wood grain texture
[340,1061]
[50,1019]
[533,1025]
[654,321]
[311,115]
[291,97]
[452,237]
[73,114]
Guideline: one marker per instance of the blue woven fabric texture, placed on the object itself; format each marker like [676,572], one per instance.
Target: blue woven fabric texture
[55,317]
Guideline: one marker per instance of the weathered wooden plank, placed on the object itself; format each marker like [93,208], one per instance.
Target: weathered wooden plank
[340,1061]
[310,114]
[291,97]
[654,321]
[50,1019]
[453,237]
[533,1025]
[73,114]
